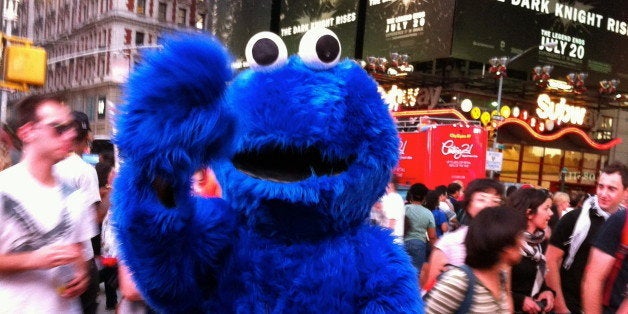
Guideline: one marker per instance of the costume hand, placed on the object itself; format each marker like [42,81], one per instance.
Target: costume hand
[52,256]
[549,297]
[174,119]
[530,306]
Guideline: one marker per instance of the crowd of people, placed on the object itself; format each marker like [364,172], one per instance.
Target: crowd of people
[480,248]
[485,248]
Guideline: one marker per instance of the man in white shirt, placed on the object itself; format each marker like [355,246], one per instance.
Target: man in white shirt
[394,210]
[81,176]
[42,266]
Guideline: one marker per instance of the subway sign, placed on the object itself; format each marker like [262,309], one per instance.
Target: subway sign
[560,111]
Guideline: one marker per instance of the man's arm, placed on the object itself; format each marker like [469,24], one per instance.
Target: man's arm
[595,276]
[554,257]
[44,258]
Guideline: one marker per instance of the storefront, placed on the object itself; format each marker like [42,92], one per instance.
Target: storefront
[546,143]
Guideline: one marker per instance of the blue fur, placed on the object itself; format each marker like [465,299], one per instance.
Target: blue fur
[267,247]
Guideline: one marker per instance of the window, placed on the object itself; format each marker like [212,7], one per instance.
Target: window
[589,168]
[200,21]
[139,39]
[181,17]
[551,166]
[510,164]
[161,12]
[572,163]
[141,7]
[102,107]
[605,129]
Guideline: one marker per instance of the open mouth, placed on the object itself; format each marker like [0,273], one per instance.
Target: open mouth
[288,164]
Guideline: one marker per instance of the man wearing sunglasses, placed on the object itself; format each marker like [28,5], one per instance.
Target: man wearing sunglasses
[42,221]
[79,175]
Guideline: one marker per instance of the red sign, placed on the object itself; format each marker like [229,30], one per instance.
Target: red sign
[442,154]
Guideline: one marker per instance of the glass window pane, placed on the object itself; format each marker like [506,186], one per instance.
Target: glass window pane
[509,168]
[503,178]
[572,160]
[511,152]
[551,173]
[590,161]
[588,176]
[530,172]
[552,156]
[533,153]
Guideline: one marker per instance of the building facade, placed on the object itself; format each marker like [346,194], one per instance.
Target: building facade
[93,45]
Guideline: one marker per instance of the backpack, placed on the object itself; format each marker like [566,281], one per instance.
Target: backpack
[465,305]
[622,250]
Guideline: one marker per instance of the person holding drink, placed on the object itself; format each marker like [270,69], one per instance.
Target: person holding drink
[43,223]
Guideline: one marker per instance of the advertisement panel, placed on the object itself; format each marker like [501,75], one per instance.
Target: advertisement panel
[421,29]
[442,154]
[589,33]
[299,16]
[234,22]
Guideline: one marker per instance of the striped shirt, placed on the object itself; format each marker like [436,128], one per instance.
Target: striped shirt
[450,290]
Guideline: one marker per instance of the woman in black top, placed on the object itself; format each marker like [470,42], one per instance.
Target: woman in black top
[530,294]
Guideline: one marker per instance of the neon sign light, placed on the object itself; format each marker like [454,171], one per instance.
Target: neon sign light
[559,134]
[561,111]
[559,85]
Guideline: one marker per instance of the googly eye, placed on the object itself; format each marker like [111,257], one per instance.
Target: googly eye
[266,51]
[320,49]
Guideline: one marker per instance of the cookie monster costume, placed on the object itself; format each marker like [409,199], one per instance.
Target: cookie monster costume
[302,146]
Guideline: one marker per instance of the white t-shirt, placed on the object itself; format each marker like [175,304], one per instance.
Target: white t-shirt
[452,244]
[394,208]
[33,216]
[77,174]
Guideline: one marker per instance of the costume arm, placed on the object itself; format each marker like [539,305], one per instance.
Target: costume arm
[554,257]
[390,284]
[173,123]
[595,276]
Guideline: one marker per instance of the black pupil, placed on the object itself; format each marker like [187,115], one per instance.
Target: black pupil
[265,51]
[327,48]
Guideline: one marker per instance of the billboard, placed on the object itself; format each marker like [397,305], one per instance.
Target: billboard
[591,34]
[299,16]
[421,29]
[441,154]
[234,22]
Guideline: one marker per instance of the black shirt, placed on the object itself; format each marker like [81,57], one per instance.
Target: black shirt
[561,238]
[609,240]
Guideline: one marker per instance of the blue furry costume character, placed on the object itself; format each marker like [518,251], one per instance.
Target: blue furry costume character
[302,147]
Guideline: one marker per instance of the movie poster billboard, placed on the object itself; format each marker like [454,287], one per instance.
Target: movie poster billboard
[419,28]
[299,16]
[234,22]
[441,154]
[592,35]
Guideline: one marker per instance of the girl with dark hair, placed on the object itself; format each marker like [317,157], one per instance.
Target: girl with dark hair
[419,226]
[491,247]
[479,194]
[432,202]
[530,293]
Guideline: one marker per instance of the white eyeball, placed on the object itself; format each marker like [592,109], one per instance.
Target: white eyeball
[320,49]
[266,51]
